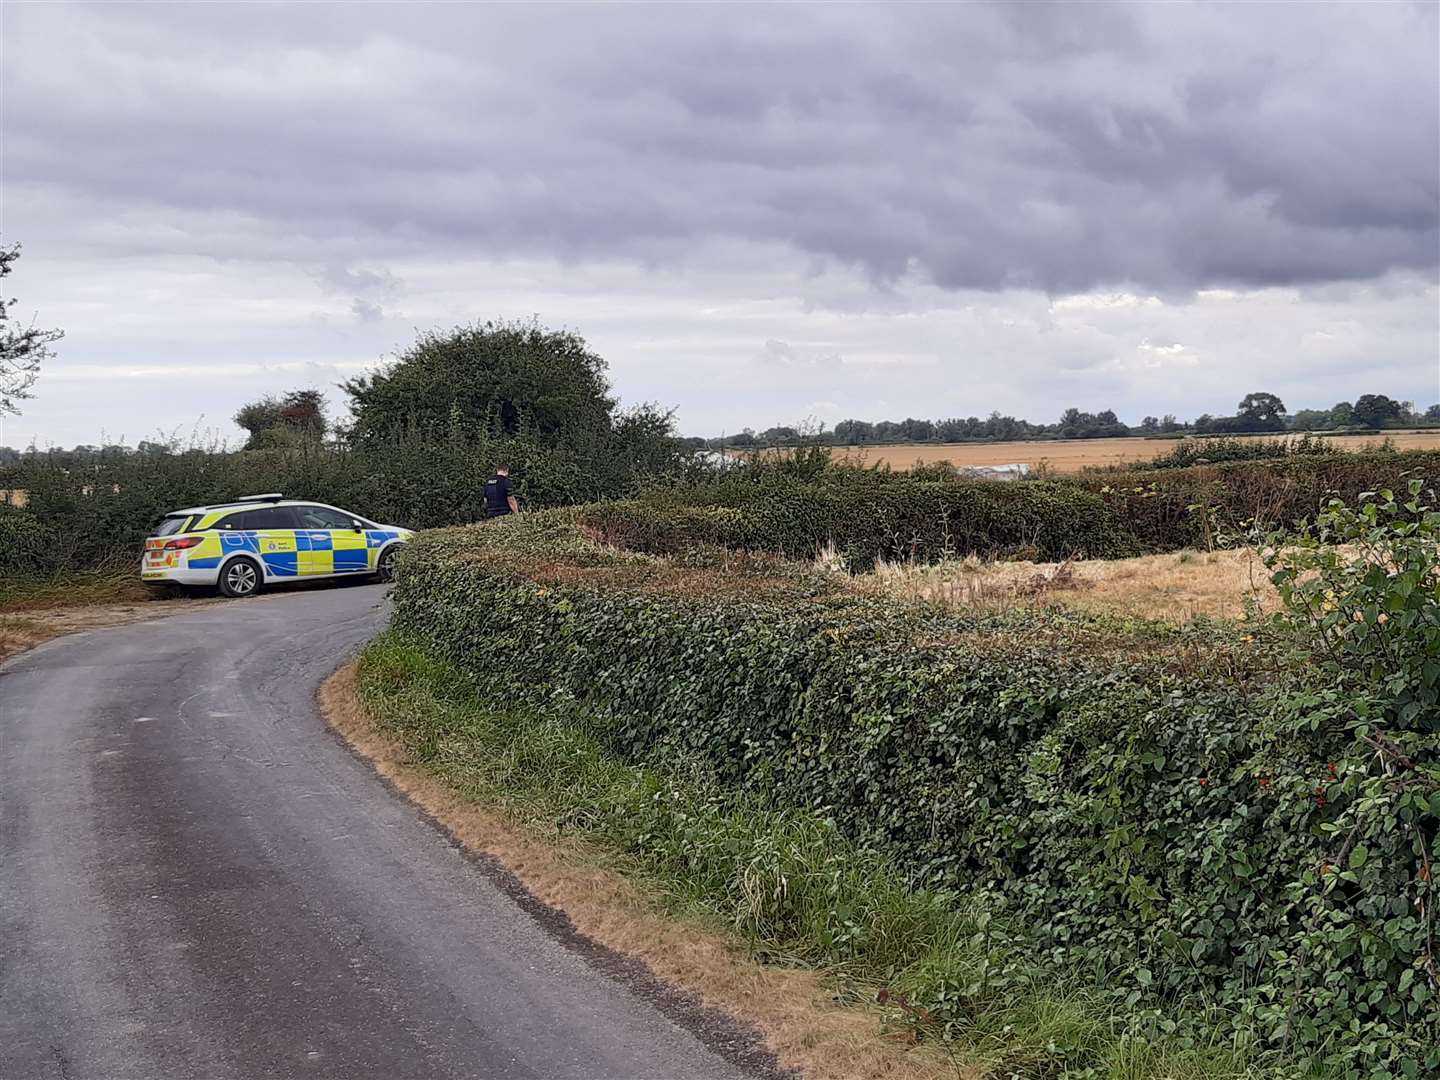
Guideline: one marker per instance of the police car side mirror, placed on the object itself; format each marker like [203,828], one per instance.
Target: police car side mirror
[357,525]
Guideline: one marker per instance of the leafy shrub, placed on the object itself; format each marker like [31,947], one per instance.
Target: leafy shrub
[797,506]
[1168,509]
[100,510]
[868,517]
[787,880]
[1227,448]
[1144,800]
[25,543]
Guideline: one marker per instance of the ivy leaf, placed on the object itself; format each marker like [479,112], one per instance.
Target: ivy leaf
[1358,856]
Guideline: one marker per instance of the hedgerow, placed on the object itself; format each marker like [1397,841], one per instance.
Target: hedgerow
[1155,805]
[868,518]
[799,508]
[785,880]
[97,513]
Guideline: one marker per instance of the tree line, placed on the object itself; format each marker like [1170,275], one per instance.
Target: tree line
[1256,413]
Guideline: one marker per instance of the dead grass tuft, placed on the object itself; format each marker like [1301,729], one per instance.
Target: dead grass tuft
[802,1024]
[1173,588]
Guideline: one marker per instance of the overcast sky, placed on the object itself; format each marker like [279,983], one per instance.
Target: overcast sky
[757,214]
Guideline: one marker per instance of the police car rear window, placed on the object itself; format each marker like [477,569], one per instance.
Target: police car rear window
[172,525]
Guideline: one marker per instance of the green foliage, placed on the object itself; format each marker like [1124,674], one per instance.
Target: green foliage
[25,544]
[276,423]
[21,350]
[1376,411]
[1190,452]
[490,379]
[868,516]
[1141,800]
[1361,586]
[788,881]
[92,513]
[801,502]
[1159,506]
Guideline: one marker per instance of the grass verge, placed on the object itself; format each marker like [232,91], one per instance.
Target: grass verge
[787,889]
[76,590]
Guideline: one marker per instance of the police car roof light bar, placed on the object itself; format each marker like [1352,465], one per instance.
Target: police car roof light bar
[272,496]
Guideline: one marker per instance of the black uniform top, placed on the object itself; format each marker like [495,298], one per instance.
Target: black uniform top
[497,496]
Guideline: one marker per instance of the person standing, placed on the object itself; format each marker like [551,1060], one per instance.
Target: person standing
[498,500]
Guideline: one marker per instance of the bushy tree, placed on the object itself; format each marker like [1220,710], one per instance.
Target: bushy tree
[21,349]
[854,431]
[1260,411]
[296,418]
[780,434]
[1376,410]
[1312,420]
[1075,424]
[494,378]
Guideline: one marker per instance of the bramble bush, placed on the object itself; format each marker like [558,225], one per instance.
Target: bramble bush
[1196,822]
[1361,586]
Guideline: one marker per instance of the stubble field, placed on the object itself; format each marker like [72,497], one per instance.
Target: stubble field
[1072,455]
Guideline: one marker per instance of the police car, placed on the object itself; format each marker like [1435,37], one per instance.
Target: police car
[241,546]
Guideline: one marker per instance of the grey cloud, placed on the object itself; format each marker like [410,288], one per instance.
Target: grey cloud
[338,278]
[1057,147]
[781,354]
[366,310]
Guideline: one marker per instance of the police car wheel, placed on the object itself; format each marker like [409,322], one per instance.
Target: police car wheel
[241,577]
[385,565]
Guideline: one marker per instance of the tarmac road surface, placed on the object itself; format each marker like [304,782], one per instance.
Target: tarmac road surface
[198,880]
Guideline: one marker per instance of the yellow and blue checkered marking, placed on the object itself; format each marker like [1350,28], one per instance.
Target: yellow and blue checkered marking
[297,552]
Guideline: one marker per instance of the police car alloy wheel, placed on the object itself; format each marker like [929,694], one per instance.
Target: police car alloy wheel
[385,566]
[241,577]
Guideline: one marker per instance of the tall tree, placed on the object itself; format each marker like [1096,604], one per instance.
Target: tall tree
[297,417]
[1376,410]
[1260,412]
[498,378]
[21,348]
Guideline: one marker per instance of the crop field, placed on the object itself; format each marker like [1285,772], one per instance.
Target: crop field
[1072,455]
[1173,587]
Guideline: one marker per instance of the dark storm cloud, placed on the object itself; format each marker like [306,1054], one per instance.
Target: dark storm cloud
[1055,147]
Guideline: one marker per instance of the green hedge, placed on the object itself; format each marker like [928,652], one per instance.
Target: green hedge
[867,518]
[867,515]
[98,512]
[1167,509]
[1123,793]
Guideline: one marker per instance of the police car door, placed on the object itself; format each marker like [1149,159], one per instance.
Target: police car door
[267,531]
[329,542]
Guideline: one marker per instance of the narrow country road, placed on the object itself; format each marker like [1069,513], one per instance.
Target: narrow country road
[199,881]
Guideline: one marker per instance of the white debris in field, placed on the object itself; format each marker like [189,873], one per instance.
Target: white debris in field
[997,472]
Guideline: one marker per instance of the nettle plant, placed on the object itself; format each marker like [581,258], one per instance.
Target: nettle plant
[1361,592]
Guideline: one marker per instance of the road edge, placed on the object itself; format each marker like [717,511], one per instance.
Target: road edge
[775,1022]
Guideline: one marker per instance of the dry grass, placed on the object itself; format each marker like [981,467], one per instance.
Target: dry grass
[802,1024]
[32,626]
[1175,588]
[1072,455]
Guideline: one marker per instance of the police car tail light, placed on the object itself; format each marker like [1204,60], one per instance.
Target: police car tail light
[183,543]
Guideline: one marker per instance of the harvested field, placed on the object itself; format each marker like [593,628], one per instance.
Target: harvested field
[1174,588]
[1072,455]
